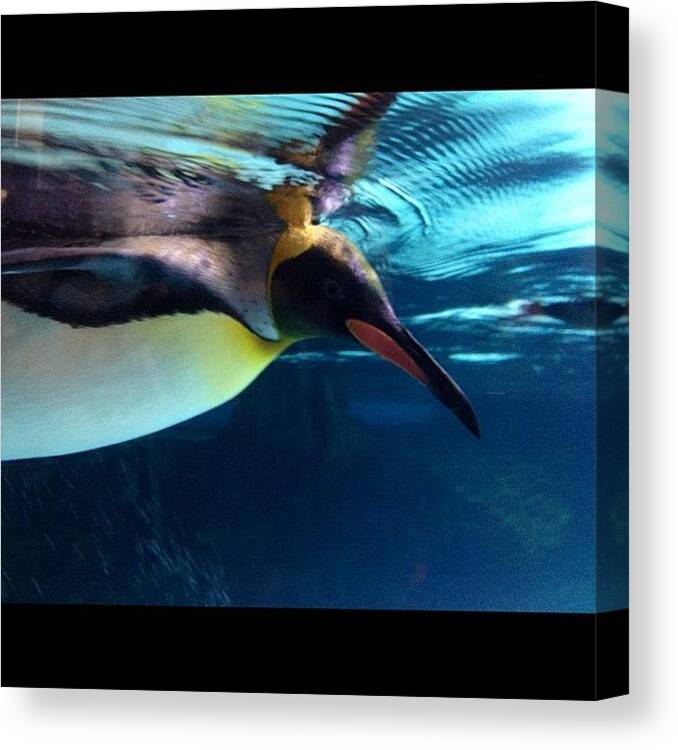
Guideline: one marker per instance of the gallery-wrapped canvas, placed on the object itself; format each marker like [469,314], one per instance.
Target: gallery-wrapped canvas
[315,352]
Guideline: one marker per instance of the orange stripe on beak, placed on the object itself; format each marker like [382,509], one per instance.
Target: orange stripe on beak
[383,345]
[404,351]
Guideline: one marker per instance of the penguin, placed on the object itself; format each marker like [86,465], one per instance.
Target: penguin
[591,313]
[134,300]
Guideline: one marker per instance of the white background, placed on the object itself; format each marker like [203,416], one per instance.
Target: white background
[647,718]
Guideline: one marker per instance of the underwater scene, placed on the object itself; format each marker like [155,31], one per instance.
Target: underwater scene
[333,350]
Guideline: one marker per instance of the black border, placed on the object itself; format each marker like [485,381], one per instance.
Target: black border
[400,48]
[364,652]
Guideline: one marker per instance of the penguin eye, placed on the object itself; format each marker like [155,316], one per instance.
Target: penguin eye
[332,290]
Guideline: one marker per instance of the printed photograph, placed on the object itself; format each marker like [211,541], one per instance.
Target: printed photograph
[334,350]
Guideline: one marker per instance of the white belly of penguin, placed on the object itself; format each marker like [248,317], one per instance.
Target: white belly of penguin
[68,389]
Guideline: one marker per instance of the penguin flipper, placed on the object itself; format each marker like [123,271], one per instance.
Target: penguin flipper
[131,278]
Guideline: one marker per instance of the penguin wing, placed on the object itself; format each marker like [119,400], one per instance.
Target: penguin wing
[132,278]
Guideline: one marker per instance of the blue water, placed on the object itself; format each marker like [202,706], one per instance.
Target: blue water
[334,480]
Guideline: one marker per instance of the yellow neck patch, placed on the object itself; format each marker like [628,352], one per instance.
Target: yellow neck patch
[293,206]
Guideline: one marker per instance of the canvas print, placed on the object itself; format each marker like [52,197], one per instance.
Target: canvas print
[334,350]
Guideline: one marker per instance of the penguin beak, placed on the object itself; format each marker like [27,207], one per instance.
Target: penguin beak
[395,343]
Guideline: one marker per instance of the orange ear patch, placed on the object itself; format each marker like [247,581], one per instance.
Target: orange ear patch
[292,204]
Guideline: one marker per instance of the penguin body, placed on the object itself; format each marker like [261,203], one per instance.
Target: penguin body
[135,301]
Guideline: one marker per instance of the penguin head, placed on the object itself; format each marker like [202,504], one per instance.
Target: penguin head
[324,286]
[315,292]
